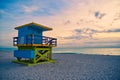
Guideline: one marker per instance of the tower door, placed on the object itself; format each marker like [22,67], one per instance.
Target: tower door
[22,40]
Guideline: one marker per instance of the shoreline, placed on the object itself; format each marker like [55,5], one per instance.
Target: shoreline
[88,54]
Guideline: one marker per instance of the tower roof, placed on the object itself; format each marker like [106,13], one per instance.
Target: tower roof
[32,24]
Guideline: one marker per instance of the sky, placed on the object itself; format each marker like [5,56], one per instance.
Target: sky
[75,23]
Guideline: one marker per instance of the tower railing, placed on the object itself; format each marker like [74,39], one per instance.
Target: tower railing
[35,39]
[49,41]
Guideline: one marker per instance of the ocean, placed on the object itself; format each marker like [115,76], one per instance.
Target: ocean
[97,51]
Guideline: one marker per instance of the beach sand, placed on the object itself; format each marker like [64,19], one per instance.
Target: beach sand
[67,67]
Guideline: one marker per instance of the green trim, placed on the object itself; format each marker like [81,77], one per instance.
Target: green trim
[43,53]
[26,48]
[32,64]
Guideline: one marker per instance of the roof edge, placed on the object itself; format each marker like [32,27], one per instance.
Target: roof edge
[39,25]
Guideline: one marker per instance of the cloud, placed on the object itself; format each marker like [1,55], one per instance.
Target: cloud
[99,15]
[2,11]
[91,42]
[7,38]
[73,37]
[117,16]
[5,14]
[87,33]
[82,33]
[30,9]
[67,22]
[78,30]
[114,30]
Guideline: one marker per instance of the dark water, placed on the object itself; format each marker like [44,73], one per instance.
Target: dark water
[7,49]
[101,51]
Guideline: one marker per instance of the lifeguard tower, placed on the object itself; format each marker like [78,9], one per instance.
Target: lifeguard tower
[33,47]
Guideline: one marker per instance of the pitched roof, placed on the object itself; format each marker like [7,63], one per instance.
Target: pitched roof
[34,24]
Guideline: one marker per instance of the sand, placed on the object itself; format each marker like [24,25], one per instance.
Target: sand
[67,67]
